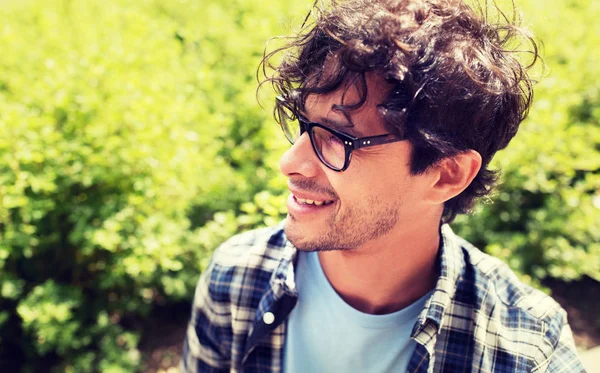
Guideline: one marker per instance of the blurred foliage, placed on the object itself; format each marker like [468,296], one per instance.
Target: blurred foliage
[131,145]
[130,138]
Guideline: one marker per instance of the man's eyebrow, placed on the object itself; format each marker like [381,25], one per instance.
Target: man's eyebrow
[339,125]
[335,123]
[342,126]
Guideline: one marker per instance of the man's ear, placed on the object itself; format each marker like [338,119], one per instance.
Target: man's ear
[453,175]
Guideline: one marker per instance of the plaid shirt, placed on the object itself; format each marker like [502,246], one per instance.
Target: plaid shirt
[480,317]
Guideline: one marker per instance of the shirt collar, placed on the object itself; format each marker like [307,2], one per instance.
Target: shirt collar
[284,277]
[450,263]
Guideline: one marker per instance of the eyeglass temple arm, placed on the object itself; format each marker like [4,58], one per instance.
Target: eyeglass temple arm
[365,142]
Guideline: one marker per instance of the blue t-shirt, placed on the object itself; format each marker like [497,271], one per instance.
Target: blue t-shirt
[327,335]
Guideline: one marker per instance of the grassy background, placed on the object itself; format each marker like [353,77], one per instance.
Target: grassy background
[131,145]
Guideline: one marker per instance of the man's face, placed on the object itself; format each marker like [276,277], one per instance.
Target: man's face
[374,199]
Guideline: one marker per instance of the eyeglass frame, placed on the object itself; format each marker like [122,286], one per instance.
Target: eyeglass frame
[350,142]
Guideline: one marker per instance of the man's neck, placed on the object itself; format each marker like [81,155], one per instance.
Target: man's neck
[387,274]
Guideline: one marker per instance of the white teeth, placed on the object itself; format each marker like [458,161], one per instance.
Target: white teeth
[310,202]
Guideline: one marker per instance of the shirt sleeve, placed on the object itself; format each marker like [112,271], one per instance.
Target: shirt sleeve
[565,358]
[205,342]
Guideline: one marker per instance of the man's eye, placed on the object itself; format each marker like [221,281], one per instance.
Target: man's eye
[333,139]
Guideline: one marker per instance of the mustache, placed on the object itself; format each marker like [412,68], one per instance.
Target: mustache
[311,186]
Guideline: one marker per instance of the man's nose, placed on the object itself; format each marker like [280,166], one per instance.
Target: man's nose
[300,159]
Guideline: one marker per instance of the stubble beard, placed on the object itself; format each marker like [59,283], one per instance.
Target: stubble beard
[348,231]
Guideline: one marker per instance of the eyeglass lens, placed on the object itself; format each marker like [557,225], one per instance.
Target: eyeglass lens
[329,148]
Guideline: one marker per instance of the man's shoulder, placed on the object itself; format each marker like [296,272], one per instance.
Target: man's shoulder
[497,283]
[510,316]
[243,266]
[258,248]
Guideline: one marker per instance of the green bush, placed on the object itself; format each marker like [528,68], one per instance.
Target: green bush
[125,128]
[131,145]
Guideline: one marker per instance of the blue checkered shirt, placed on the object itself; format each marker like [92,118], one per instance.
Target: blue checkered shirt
[479,318]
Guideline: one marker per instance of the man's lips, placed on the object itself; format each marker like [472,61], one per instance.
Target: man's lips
[303,197]
[306,201]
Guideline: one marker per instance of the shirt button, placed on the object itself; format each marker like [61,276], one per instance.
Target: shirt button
[268,318]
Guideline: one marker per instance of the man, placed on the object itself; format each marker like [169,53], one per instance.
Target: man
[394,109]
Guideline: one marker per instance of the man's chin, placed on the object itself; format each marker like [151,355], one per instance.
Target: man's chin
[298,236]
[307,240]
[292,233]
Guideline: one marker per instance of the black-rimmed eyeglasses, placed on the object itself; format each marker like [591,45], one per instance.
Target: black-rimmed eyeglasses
[334,148]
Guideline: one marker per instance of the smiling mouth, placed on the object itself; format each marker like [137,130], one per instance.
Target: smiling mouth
[302,201]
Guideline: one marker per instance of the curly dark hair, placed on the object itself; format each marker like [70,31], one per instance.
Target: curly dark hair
[457,80]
